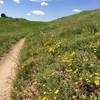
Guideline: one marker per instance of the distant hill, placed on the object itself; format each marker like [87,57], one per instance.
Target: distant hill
[10,25]
[76,24]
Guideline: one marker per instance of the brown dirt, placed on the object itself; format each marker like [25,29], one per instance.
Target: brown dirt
[7,70]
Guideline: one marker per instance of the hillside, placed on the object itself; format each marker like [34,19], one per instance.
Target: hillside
[60,59]
[76,24]
[18,25]
[12,29]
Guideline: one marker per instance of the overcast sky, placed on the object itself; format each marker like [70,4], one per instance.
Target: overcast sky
[44,10]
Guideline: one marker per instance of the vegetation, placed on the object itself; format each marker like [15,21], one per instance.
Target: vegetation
[6,42]
[58,69]
[61,59]
[11,30]
[3,15]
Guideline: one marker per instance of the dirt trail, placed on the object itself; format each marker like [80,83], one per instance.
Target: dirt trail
[7,70]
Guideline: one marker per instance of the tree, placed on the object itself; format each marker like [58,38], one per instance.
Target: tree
[3,15]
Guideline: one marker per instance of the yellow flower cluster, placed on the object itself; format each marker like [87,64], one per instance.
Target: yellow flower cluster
[55,95]
[97,79]
[85,58]
[67,57]
[57,91]
[53,48]
[44,98]
[55,98]
[95,45]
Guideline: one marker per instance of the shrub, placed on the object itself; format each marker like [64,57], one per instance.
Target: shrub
[91,28]
[3,15]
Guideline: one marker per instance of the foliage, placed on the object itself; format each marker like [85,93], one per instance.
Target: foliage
[3,15]
[56,69]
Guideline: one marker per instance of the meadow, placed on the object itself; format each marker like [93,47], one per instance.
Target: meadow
[58,69]
[12,30]
[60,60]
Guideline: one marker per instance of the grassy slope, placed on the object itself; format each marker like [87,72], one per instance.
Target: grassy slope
[59,68]
[75,24]
[11,30]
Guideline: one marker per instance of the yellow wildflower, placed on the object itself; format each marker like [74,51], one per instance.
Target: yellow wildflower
[97,82]
[69,70]
[56,92]
[97,79]
[74,97]
[94,50]
[73,53]
[85,59]
[75,71]
[87,80]
[51,50]
[91,76]
[81,78]
[44,98]
[55,98]
[97,74]
[43,85]
[76,90]
[44,92]
[76,83]
[91,65]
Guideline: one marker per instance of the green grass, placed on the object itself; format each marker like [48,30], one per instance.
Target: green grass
[12,30]
[60,60]
[75,24]
[53,67]
[8,40]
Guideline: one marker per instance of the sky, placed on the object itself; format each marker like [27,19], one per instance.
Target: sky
[45,10]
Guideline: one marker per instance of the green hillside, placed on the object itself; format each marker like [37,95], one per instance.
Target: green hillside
[11,25]
[84,22]
[12,29]
[60,60]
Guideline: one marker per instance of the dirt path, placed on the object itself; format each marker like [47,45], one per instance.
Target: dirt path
[7,70]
